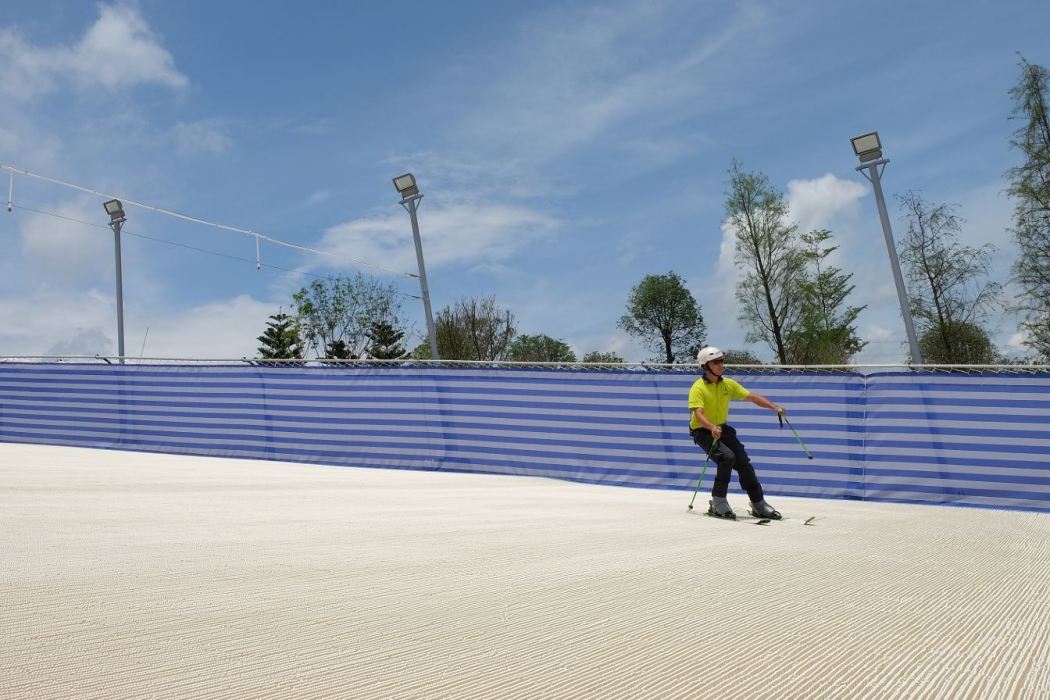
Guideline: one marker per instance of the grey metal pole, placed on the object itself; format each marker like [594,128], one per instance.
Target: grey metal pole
[411,204]
[116,226]
[909,327]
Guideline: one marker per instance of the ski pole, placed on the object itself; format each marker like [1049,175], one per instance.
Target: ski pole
[706,459]
[800,443]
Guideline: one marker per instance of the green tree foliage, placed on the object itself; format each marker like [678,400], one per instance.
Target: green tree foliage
[767,252]
[664,314]
[539,348]
[474,329]
[338,350]
[280,340]
[826,333]
[384,342]
[1030,188]
[336,313]
[741,357]
[970,345]
[421,351]
[608,358]
[946,280]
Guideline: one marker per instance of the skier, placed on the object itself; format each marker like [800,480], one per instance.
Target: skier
[708,412]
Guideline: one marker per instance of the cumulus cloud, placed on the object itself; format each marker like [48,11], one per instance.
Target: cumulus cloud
[461,233]
[119,50]
[85,324]
[83,342]
[225,328]
[819,202]
[45,318]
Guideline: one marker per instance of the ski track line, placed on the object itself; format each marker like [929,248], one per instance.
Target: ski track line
[146,575]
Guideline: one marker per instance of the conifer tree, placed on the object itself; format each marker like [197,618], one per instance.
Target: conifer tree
[280,340]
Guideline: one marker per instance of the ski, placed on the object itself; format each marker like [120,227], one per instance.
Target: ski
[743,520]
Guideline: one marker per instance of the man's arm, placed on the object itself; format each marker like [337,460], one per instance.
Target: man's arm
[762,401]
[716,430]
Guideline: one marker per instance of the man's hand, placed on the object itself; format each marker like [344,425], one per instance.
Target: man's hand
[716,432]
[781,411]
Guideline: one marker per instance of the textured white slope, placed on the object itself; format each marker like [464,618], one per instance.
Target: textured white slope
[139,575]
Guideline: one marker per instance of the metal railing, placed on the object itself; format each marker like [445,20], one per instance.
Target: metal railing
[506,364]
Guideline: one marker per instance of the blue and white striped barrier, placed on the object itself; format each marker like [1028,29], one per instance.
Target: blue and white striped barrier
[975,439]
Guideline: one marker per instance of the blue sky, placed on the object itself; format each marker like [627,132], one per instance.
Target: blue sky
[565,150]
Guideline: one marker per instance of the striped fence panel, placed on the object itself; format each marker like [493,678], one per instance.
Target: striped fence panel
[885,437]
[964,439]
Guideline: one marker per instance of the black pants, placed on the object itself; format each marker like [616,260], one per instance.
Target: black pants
[729,455]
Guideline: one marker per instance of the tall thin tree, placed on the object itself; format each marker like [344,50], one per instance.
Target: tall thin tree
[1030,188]
[947,281]
[768,254]
[827,330]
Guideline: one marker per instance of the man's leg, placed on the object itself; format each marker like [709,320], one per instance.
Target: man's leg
[723,458]
[745,471]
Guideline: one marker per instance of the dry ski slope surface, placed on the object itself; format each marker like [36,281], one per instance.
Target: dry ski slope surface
[141,575]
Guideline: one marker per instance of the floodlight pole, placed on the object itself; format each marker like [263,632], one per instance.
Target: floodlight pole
[874,175]
[116,225]
[411,203]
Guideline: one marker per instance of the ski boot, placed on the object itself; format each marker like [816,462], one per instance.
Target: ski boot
[719,508]
[761,509]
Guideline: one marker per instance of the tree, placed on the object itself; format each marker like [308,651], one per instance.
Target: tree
[474,329]
[336,313]
[767,253]
[384,341]
[1030,188]
[608,358]
[338,350]
[826,333]
[945,286]
[421,351]
[280,340]
[970,345]
[741,357]
[662,312]
[539,348]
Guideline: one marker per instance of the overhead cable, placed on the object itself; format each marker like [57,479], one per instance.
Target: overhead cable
[258,263]
[167,212]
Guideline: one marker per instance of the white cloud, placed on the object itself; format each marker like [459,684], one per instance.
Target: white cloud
[65,251]
[201,137]
[461,233]
[47,318]
[84,342]
[225,328]
[48,321]
[118,51]
[816,203]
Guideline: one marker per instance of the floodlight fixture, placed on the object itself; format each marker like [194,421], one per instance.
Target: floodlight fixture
[410,200]
[116,222]
[115,209]
[406,185]
[867,146]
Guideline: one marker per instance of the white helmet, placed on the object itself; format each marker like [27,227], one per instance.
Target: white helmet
[707,354]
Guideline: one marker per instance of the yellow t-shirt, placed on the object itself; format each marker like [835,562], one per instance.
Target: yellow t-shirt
[714,399]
